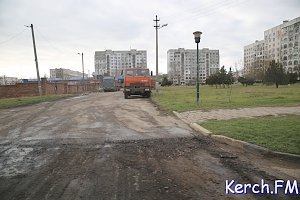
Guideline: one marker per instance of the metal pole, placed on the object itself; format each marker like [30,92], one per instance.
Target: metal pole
[82,72]
[156,28]
[36,62]
[198,75]
[82,67]
[156,52]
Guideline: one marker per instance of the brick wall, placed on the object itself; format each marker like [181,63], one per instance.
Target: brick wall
[31,89]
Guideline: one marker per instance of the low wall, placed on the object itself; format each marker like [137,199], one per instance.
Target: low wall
[48,88]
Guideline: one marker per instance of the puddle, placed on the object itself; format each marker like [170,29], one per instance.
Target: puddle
[12,162]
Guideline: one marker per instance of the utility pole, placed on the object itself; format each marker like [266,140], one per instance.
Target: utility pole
[36,61]
[156,28]
[82,66]
[83,85]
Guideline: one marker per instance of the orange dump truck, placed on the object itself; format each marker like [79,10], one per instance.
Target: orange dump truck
[137,81]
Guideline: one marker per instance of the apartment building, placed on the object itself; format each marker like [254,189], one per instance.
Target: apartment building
[290,41]
[111,63]
[272,38]
[66,74]
[281,43]
[254,57]
[182,64]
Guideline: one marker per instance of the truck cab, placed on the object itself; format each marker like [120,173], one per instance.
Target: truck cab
[137,81]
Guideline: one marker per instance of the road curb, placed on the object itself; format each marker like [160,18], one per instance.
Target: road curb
[179,116]
[200,129]
[234,142]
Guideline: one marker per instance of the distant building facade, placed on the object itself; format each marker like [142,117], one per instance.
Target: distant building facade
[182,64]
[66,74]
[5,80]
[111,63]
[281,43]
[290,49]
[254,57]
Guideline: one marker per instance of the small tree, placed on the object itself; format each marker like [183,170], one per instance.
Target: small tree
[242,80]
[210,80]
[229,78]
[275,74]
[166,82]
[297,71]
[248,80]
[292,77]
[220,78]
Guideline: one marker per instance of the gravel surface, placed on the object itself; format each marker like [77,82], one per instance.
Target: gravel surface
[101,146]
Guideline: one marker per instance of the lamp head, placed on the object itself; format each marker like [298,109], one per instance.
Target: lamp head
[197,36]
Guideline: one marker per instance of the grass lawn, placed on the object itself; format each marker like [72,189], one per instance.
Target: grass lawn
[183,98]
[275,133]
[23,101]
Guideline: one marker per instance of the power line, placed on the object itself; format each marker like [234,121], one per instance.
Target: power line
[219,8]
[204,8]
[13,37]
[48,41]
[56,47]
[208,10]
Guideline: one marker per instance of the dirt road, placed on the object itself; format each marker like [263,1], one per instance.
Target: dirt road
[101,146]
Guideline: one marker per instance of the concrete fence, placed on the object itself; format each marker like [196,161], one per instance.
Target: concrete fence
[48,88]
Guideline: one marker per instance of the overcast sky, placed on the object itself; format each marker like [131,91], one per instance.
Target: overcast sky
[65,27]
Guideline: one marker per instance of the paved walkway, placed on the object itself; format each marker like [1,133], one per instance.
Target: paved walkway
[224,114]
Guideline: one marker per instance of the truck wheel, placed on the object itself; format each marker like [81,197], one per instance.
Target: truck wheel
[126,95]
[148,94]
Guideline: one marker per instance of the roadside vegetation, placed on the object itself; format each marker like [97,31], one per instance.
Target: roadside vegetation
[24,101]
[183,98]
[276,133]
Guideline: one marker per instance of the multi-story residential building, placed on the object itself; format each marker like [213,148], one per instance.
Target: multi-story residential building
[66,74]
[113,62]
[182,64]
[272,38]
[254,58]
[281,43]
[290,41]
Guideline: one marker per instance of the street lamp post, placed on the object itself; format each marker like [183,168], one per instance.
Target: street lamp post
[157,27]
[82,69]
[197,35]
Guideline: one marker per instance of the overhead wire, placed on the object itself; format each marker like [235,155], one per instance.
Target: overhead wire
[63,53]
[48,41]
[219,8]
[196,9]
[213,8]
[13,37]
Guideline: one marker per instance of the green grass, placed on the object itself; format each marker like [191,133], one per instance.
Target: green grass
[276,133]
[24,101]
[183,98]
